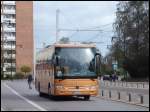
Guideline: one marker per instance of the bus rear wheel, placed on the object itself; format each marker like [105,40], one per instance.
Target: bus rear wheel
[86,97]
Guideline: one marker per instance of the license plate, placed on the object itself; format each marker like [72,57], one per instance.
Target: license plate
[76,92]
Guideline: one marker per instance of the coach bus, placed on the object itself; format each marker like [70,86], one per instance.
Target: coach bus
[68,70]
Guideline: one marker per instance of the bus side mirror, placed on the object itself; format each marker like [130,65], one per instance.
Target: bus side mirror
[57,60]
[97,63]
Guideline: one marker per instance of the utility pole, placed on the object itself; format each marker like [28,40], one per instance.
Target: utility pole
[57,25]
[34,59]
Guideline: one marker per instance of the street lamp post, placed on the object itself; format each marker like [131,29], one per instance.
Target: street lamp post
[11,62]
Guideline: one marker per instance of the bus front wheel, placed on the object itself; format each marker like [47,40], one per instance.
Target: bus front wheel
[86,97]
[40,93]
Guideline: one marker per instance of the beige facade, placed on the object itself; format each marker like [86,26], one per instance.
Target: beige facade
[24,34]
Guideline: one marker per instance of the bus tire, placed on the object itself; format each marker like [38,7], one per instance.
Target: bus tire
[40,93]
[87,97]
[49,89]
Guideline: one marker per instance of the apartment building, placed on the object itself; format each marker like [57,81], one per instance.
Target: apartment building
[16,35]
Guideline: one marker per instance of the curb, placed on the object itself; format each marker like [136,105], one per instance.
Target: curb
[132,103]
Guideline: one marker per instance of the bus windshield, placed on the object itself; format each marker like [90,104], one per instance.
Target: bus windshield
[76,62]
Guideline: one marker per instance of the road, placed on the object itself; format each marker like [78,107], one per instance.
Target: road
[15,96]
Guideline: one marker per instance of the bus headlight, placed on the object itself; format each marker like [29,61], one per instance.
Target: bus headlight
[59,87]
[93,87]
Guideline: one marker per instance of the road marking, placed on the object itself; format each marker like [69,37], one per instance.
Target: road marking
[27,100]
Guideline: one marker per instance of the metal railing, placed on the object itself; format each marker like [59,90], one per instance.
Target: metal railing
[123,95]
[127,97]
[126,84]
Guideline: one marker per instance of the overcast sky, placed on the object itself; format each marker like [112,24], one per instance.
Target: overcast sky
[74,15]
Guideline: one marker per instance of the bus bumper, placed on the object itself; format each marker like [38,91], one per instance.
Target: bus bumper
[75,93]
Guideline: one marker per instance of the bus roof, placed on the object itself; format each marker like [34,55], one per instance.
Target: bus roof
[70,44]
[47,52]
[75,45]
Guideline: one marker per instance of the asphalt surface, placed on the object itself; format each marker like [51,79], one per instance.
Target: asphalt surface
[16,96]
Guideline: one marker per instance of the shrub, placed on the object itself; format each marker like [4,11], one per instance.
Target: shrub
[8,76]
[25,69]
[2,76]
[19,75]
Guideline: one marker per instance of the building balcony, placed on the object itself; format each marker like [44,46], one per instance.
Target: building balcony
[10,70]
[6,29]
[9,11]
[9,57]
[9,64]
[11,60]
[9,73]
[10,35]
[7,51]
[8,19]
[13,66]
[6,56]
[10,38]
[8,2]
[9,47]
[7,16]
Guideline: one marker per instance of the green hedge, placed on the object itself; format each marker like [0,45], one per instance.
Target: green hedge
[6,77]
[19,75]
